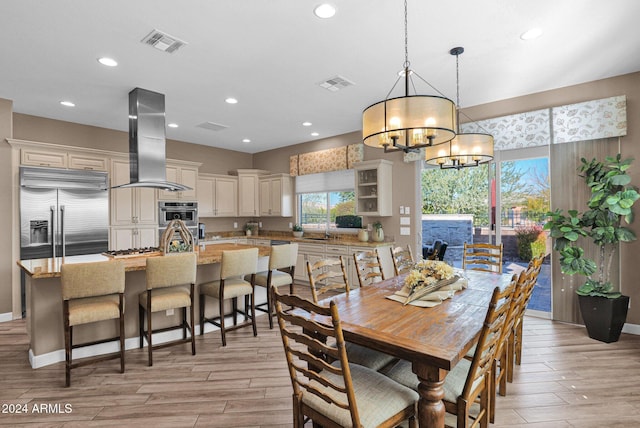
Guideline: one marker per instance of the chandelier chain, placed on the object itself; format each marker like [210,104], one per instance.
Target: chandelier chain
[406,38]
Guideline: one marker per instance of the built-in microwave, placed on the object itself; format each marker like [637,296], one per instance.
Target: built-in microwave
[185,211]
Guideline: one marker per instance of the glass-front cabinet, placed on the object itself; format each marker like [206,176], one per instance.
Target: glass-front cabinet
[373,187]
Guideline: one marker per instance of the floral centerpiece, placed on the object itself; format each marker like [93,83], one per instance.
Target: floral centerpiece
[427,276]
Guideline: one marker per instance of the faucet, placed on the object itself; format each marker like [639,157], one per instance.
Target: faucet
[326,234]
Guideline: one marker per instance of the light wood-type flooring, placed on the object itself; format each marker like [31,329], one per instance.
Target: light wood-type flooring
[566,380]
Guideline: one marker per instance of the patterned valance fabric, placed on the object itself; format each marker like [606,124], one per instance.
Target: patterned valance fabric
[591,120]
[335,159]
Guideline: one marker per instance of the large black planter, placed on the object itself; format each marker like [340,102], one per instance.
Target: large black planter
[604,318]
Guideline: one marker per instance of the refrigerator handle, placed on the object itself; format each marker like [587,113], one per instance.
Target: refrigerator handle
[52,208]
[62,237]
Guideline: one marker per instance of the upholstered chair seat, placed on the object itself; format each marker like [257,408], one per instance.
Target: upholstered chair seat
[93,309]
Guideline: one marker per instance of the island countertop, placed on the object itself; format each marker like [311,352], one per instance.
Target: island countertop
[50,267]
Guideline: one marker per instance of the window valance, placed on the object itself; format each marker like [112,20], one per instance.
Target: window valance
[335,159]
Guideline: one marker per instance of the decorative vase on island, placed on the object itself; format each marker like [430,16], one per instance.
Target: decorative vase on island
[363,235]
[378,234]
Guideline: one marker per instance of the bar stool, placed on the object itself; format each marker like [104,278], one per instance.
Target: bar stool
[166,280]
[92,292]
[231,285]
[282,265]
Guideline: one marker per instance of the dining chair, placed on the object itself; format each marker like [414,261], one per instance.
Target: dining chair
[334,392]
[482,257]
[368,267]
[325,277]
[402,259]
[232,284]
[514,356]
[91,292]
[170,283]
[282,265]
[469,382]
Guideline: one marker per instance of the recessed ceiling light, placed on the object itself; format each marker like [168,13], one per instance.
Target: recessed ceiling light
[67,103]
[314,134]
[231,101]
[246,140]
[534,33]
[109,62]
[307,123]
[324,10]
[172,125]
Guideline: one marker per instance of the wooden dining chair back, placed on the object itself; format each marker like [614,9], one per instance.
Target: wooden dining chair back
[368,267]
[327,275]
[282,265]
[402,258]
[234,266]
[170,285]
[514,356]
[92,292]
[337,394]
[482,257]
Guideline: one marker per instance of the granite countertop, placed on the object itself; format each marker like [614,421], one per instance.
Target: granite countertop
[308,238]
[50,267]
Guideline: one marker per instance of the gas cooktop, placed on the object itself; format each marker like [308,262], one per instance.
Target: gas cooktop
[133,252]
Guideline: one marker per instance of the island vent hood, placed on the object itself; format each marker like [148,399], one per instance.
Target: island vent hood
[147,145]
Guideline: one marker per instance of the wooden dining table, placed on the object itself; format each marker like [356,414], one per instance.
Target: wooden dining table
[432,339]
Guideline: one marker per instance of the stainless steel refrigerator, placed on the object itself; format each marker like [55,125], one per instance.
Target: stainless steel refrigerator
[63,212]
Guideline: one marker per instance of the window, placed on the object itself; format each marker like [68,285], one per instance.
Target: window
[325,197]
[318,211]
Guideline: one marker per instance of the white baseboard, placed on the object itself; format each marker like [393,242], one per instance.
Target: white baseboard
[631,329]
[6,317]
[538,314]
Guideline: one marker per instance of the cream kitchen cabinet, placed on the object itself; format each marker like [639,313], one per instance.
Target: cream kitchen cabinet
[217,195]
[132,206]
[88,162]
[49,158]
[276,196]
[373,187]
[248,194]
[122,238]
[182,174]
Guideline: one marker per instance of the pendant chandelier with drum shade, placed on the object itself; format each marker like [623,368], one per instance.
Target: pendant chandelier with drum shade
[410,122]
[466,149]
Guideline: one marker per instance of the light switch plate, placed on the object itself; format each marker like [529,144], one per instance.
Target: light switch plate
[405,231]
[405,221]
[235,224]
[407,210]
[401,210]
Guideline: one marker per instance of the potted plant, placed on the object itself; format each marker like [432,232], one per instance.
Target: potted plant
[248,229]
[610,207]
[297,231]
[378,233]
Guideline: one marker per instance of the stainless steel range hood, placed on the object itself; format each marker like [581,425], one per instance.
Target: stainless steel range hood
[147,145]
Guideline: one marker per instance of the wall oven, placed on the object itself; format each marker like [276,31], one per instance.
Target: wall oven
[185,211]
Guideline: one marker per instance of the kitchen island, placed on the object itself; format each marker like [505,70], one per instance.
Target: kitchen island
[44,303]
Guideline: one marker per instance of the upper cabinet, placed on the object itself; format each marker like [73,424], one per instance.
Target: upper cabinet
[56,156]
[249,192]
[374,187]
[131,206]
[217,195]
[184,173]
[34,157]
[276,195]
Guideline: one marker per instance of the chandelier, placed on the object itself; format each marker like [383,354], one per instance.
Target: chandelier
[410,122]
[466,149]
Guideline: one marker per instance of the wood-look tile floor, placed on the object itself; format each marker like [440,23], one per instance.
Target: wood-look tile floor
[566,380]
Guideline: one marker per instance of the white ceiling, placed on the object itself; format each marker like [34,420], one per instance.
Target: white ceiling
[271,55]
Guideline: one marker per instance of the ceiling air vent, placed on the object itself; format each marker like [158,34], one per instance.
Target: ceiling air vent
[335,83]
[212,126]
[162,41]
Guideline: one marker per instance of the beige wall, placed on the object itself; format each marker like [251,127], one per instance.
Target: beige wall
[10,232]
